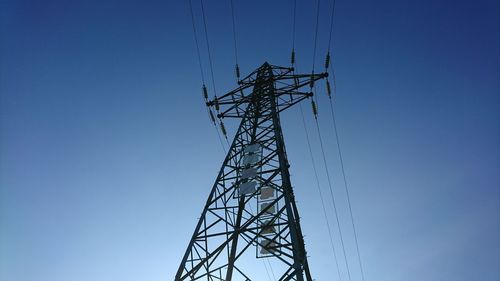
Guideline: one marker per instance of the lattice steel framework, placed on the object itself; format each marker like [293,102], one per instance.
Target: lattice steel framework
[251,211]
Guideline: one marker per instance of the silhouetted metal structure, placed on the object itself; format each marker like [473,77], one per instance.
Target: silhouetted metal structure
[251,211]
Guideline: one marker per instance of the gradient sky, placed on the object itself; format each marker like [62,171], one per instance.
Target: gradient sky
[107,155]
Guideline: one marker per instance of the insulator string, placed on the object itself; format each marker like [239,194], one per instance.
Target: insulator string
[217,130]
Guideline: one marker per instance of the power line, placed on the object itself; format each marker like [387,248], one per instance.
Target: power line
[325,214]
[201,70]
[347,190]
[208,47]
[293,25]
[292,57]
[235,45]
[211,66]
[332,15]
[320,192]
[196,41]
[337,138]
[329,64]
[333,197]
[234,32]
[267,271]
[306,131]
[316,35]
[271,267]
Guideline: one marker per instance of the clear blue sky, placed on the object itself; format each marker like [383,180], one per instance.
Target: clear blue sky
[107,155]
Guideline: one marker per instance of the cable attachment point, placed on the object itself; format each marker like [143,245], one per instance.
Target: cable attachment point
[327,60]
[315,110]
[311,82]
[237,72]
[216,103]
[328,89]
[293,57]
[223,129]
[205,92]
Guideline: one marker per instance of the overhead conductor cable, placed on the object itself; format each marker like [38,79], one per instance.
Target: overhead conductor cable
[234,39]
[332,197]
[325,214]
[315,112]
[329,64]
[204,88]
[292,57]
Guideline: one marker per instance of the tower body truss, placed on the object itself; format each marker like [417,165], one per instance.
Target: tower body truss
[251,212]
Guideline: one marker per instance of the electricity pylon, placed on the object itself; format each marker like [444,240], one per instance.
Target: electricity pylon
[251,211]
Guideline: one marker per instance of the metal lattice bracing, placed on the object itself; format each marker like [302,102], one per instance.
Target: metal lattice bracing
[251,211]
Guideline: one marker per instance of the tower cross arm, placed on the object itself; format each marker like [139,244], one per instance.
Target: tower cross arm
[287,91]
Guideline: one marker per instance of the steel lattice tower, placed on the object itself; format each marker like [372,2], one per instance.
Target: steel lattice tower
[251,211]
